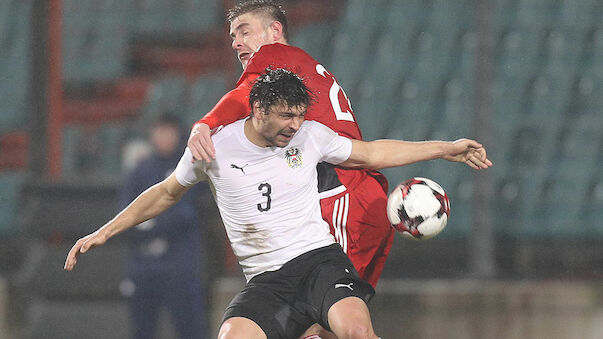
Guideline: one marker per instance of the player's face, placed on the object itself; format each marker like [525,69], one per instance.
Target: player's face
[280,124]
[249,32]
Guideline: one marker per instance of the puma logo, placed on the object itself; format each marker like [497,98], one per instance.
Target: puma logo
[345,285]
[237,167]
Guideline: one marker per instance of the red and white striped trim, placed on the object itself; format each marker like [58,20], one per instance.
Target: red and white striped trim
[340,220]
[332,192]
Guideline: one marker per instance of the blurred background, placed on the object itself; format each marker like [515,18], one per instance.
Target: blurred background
[82,80]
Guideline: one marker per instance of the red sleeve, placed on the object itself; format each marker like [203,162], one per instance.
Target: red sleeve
[233,106]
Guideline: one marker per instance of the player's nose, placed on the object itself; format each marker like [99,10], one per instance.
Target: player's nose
[237,43]
[296,122]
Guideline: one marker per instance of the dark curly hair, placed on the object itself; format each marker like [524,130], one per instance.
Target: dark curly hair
[268,7]
[279,86]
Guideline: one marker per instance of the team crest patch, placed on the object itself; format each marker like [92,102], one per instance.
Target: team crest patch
[294,157]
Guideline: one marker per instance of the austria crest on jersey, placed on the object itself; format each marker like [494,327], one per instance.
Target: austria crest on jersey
[294,157]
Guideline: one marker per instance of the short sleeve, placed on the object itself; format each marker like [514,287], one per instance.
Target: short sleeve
[189,173]
[334,148]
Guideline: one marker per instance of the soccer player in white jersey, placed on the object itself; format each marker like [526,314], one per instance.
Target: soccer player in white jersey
[266,189]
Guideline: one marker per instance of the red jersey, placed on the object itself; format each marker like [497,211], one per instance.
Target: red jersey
[330,105]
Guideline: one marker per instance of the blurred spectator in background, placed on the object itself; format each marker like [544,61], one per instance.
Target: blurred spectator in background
[165,255]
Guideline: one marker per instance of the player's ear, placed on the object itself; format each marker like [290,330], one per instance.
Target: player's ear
[257,111]
[276,31]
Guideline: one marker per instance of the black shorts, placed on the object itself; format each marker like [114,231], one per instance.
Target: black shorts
[285,302]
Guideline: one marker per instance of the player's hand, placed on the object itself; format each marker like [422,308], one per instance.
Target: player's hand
[200,144]
[469,152]
[82,246]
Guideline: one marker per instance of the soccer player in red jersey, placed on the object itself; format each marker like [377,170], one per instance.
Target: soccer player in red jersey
[353,201]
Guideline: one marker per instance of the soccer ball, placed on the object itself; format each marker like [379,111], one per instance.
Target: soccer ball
[418,208]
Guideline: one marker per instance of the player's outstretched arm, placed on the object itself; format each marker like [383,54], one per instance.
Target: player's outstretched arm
[380,154]
[147,205]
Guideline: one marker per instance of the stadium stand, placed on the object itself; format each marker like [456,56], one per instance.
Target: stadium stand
[11,183]
[15,67]
[174,17]
[203,93]
[315,39]
[408,67]
[95,40]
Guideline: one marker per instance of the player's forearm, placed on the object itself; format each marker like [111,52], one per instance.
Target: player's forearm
[380,154]
[149,204]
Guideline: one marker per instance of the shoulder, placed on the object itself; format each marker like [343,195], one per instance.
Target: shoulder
[277,55]
[225,133]
[315,127]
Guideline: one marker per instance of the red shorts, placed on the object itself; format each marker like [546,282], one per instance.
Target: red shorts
[358,220]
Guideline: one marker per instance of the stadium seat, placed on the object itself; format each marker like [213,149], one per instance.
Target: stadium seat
[204,94]
[593,57]
[504,14]
[557,211]
[520,56]
[506,211]
[167,94]
[593,213]
[452,15]
[15,39]
[174,17]
[549,98]
[538,14]
[458,109]
[354,43]
[112,137]
[587,99]
[95,39]
[460,195]
[580,15]
[576,150]
[415,112]
[11,183]
[531,190]
[565,49]
[407,16]
[374,109]
[315,39]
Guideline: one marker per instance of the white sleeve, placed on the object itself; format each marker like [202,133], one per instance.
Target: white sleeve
[334,148]
[189,173]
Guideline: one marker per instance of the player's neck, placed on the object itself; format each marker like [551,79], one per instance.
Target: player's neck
[250,129]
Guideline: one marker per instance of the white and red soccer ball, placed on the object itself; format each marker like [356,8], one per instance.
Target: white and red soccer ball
[418,208]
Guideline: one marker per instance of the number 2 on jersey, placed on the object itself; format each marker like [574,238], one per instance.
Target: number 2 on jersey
[266,194]
[334,95]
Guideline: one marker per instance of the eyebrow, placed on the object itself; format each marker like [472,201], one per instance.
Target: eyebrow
[238,28]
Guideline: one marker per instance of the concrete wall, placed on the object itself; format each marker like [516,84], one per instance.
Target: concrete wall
[468,309]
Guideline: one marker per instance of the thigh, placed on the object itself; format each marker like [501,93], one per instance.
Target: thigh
[358,220]
[351,316]
[269,301]
[334,279]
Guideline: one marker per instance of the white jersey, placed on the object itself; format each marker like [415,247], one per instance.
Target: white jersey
[268,196]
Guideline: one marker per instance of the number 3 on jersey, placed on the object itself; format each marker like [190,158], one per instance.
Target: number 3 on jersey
[266,189]
[334,95]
